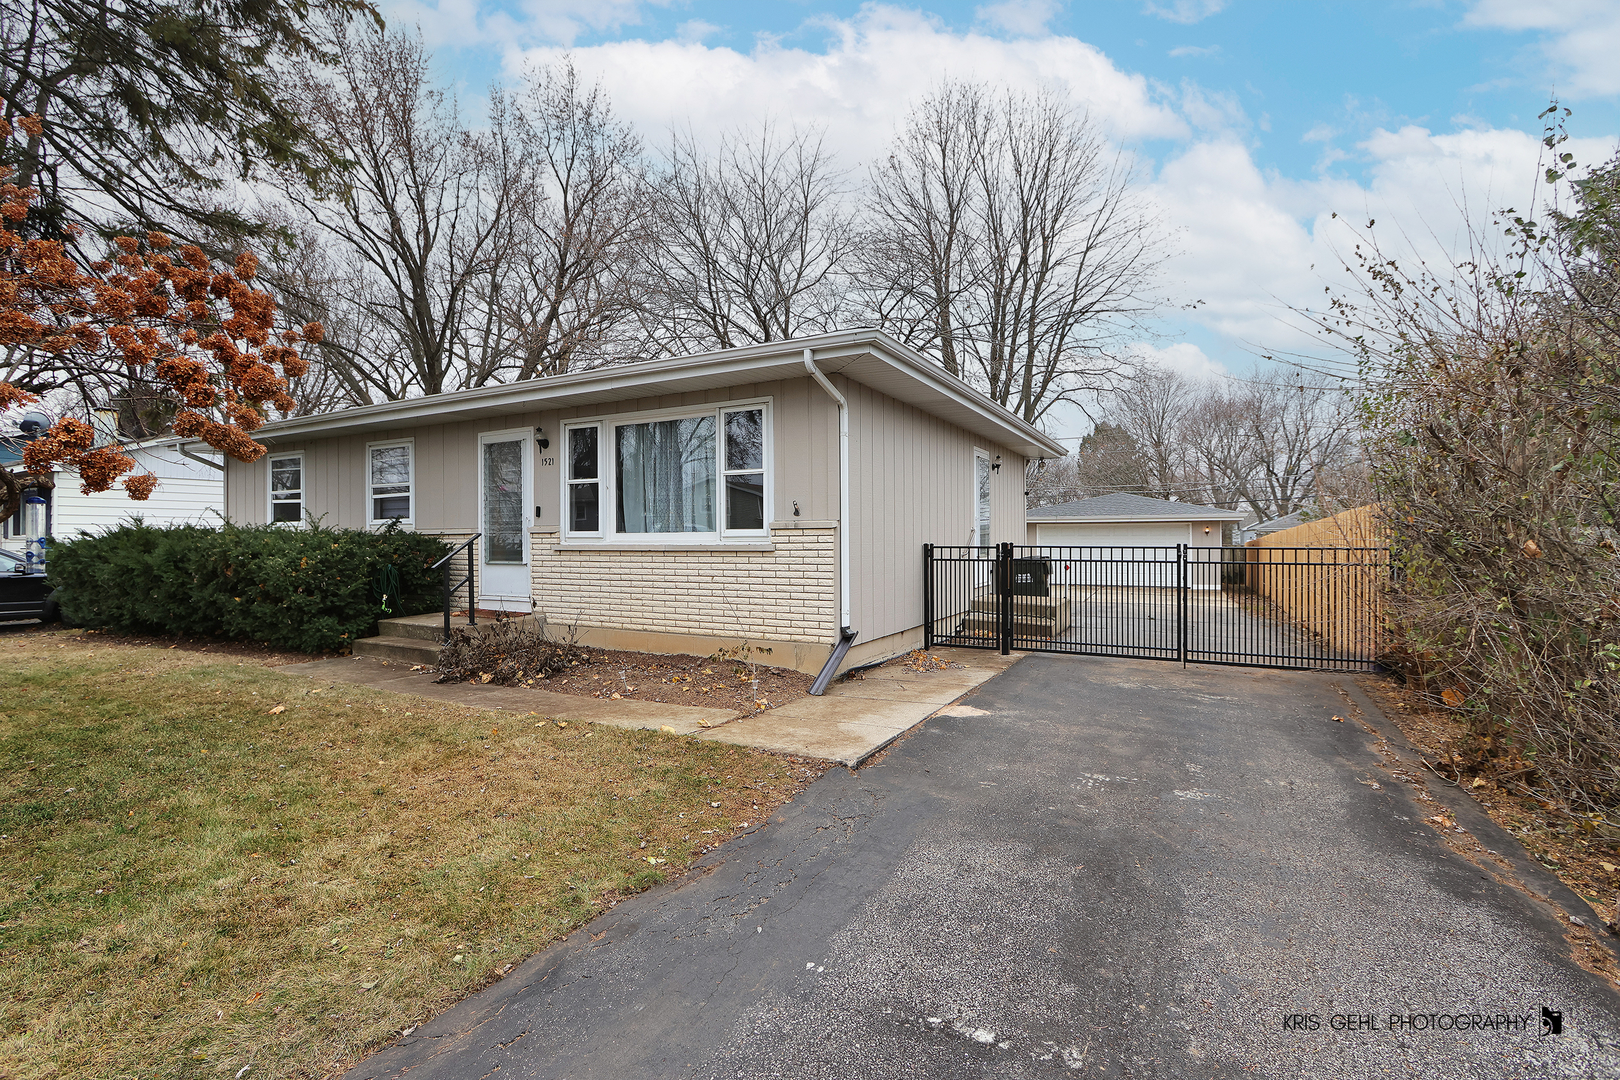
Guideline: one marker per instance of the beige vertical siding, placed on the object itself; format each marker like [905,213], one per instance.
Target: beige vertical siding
[246,497]
[912,483]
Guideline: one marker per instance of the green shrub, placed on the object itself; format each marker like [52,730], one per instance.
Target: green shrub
[309,590]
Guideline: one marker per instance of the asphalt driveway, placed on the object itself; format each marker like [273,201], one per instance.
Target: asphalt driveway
[1100,868]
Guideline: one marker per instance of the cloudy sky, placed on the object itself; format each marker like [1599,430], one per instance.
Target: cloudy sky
[1252,122]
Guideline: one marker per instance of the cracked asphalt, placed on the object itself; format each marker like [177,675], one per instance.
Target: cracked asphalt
[1099,868]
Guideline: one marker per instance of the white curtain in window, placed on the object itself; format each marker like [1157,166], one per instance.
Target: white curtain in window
[666,476]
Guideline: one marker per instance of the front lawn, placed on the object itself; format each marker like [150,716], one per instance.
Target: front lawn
[210,866]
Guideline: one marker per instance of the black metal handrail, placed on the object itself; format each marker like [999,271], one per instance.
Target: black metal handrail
[449,589]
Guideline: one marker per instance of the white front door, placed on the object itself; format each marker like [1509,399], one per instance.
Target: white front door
[505,486]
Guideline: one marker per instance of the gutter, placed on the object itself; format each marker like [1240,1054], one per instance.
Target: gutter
[210,462]
[846,636]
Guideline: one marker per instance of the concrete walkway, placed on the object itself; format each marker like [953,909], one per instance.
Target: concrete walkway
[851,722]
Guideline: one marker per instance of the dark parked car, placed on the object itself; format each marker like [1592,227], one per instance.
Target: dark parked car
[24,593]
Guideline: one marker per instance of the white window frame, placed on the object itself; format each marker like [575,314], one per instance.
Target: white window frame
[303,488]
[601,482]
[371,498]
[989,498]
[607,441]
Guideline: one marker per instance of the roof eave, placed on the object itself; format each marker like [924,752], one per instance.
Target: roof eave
[605,384]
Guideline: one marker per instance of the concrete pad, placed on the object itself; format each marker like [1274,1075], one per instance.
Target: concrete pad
[399,679]
[856,719]
[940,693]
[846,741]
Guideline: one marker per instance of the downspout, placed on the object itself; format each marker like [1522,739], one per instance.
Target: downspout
[846,636]
[210,462]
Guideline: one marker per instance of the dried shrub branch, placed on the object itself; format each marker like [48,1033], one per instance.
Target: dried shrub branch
[1493,419]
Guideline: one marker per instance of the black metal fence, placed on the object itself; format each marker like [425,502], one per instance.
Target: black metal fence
[1306,608]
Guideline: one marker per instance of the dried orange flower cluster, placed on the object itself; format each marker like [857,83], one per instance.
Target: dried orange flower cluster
[159,310]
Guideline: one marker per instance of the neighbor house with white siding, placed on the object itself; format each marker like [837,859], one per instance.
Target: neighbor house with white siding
[190,491]
[777,494]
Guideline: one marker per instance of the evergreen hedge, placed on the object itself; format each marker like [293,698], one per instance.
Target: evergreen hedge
[309,590]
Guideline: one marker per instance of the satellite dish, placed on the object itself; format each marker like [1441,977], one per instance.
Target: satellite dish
[33,423]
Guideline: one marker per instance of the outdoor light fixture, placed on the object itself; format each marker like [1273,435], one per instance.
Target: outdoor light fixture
[1206,530]
[540,438]
[995,466]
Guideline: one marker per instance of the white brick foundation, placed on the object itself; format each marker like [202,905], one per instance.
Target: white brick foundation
[788,594]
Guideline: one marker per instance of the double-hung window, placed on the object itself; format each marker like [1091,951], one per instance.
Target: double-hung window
[693,476]
[391,476]
[286,488]
[584,496]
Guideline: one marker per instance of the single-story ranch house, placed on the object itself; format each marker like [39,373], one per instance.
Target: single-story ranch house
[773,494]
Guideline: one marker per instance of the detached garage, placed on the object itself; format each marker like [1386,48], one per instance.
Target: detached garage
[1129,536]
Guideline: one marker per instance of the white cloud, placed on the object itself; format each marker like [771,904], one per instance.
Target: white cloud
[1022,18]
[1582,38]
[1184,11]
[1254,244]
[860,84]
[696,30]
[1183,357]
[1195,50]
[461,23]
[1211,111]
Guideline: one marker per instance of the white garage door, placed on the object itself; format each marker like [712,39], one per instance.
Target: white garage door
[1130,553]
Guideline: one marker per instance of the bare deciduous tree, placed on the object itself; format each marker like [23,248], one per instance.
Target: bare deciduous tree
[569,284]
[1269,443]
[1005,237]
[752,242]
[417,218]
[1151,406]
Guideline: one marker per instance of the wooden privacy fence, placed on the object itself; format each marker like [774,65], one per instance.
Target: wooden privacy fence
[1329,577]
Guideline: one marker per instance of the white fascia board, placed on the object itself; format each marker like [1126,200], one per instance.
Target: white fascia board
[633,380]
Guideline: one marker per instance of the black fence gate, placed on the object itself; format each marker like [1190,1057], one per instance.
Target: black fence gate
[1314,608]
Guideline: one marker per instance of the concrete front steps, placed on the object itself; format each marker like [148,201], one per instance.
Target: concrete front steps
[417,639]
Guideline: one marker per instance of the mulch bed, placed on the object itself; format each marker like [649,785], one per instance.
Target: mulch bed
[677,680]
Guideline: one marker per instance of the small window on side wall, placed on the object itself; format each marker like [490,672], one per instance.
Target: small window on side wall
[392,472]
[287,489]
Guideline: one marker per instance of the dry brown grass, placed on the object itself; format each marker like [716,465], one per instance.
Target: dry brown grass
[196,882]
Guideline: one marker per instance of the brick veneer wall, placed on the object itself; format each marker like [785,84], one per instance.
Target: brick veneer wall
[787,594]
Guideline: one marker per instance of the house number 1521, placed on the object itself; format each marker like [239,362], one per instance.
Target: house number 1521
[547,462]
